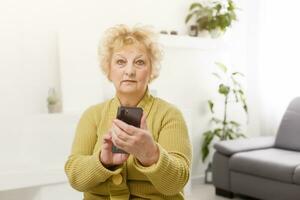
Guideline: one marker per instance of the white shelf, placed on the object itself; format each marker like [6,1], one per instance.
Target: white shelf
[189,42]
[43,144]
[17,179]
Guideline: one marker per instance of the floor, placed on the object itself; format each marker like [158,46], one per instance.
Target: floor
[206,192]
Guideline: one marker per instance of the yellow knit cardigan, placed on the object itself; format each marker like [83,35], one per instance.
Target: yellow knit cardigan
[163,180]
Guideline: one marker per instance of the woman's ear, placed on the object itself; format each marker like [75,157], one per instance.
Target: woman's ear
[108,73]
[151,76]
[108,76]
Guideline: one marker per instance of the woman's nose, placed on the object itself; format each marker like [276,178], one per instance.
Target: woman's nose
[130,70]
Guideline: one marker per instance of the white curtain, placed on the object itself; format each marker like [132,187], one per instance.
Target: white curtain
[279,60]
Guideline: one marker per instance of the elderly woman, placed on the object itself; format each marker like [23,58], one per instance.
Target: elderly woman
[157,165]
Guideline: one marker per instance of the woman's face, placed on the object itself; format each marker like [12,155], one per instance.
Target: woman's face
[130,69]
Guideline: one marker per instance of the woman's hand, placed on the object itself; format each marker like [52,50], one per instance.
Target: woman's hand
[136,141]
[108,158]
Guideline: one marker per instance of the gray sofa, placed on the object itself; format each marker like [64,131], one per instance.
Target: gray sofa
[264,167]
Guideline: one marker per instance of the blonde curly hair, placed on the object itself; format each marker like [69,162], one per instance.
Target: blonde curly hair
[121,35]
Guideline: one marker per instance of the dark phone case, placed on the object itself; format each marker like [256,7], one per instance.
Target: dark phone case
[129,115]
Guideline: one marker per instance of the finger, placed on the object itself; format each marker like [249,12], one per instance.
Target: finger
[119,133]
[124,157]
[107,136]
[107,146]
[107,143]
[120,158]
[130,130]
[144,122]
[119,143]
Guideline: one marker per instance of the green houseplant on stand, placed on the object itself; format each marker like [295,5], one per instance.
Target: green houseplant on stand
[222,127]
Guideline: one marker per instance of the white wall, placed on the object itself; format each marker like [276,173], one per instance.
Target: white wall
[29,61]
[29,55]
[278,61]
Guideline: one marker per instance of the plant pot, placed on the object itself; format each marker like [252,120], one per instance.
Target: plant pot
[53,108]
[203,33]
[215,33]
[208,174]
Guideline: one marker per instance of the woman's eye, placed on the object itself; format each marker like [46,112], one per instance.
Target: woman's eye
[120,62]
[140,62]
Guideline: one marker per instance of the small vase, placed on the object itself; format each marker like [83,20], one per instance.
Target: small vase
[208,174]
[203,34]
[53,108]
[193,31]
[215,33]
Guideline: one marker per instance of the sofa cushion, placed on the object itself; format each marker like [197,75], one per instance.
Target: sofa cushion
[296,177]
[229,147]
[277,164]
[288,135]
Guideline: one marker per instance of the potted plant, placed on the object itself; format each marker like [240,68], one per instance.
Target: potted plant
[53,101]
[212,16]
[222,127]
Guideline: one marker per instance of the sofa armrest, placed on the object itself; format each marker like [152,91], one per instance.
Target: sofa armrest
[230,147]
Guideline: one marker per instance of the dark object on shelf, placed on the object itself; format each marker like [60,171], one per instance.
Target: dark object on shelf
[174,33]
[164,32]
[208,174]
[193,30]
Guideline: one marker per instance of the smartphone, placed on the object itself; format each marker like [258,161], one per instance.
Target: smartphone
[131,116]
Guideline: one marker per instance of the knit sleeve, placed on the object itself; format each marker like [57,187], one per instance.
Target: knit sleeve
[170,174]
[83,167]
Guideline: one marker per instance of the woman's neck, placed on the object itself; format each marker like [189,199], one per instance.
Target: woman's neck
[130,100]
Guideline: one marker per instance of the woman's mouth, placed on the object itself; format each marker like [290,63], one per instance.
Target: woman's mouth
[128,81]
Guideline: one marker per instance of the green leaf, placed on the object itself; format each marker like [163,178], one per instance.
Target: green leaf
[190,15]
[236,96]
[221,66]
[238,73]
[218,7]
[211,106]
[217,132]
[230,137]
[233,80]
[241,92]
[216,120]
[214,24]
[223,89]
[202,23]
[240,135]
[187,19]
[195,5]
[205,152]
[234,123]
[236,83]
[242,97]
[208,137]
[245,108]
[224,20]
[229,134]
[217,75]
[233,16]
[231,6]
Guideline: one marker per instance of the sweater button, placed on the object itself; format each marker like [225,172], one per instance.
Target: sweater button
[117,179]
